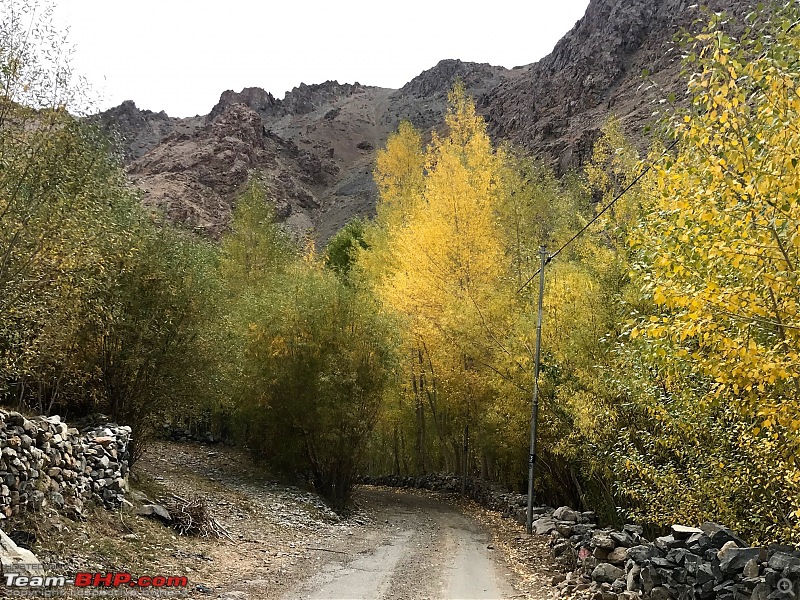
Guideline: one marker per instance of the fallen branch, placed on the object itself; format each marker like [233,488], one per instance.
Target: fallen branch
[327,550]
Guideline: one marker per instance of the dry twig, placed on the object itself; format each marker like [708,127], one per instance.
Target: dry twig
[191,516]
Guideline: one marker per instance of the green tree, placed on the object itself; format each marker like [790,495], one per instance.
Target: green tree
[341,251]
[318,357]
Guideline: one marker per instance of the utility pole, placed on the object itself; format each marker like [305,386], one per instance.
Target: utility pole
[465,460]
[535,407]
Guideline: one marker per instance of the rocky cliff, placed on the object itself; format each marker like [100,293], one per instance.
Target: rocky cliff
[556,107]
[316,146]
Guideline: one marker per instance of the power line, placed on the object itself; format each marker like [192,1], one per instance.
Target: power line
[597,216]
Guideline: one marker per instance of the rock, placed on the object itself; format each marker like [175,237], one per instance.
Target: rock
[18,560]
[660,593]
[603,540]
[564,528]
[725,547]
[155,511]
[760,592]
[623,538]
[618,556]
[780,560]
[705,574]
[619,586]
[633,581]
[720,535]
[57,500]
[544,526]
[633,529]
[565,513]
[733,560]
[601,554]
[751,569]
[681,532]
[651,578]
[606,573]
[699,543]
[561,548]
[668,542]
[641,553]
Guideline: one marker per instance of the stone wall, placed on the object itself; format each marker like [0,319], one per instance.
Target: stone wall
[44,462]
[706,562]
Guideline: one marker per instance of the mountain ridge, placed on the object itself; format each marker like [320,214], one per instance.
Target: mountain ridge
[316,146]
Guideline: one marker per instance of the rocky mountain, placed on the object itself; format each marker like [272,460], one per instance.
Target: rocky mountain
[556,107]
[316,145]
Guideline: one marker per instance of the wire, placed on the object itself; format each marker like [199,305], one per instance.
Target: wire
[597,216]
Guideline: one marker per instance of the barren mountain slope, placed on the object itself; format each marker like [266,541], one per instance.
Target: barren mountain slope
[317,145]
[557,106]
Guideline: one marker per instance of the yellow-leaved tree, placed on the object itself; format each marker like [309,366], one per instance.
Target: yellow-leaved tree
[720,254]
[437,259]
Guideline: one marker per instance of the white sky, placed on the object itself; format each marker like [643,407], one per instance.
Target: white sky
[179,55]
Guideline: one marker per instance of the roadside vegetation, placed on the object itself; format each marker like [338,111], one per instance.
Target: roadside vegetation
[671,348]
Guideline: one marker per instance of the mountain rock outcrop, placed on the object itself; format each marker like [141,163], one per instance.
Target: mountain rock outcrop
[556,107]
[193,178]
[142,130]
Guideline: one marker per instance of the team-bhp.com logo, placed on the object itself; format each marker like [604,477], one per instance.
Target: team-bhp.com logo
[118,580]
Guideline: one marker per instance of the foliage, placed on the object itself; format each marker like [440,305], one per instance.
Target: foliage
[718,257]
[342,248]
[317,359]
[256,247]
[99,309]
[311,354]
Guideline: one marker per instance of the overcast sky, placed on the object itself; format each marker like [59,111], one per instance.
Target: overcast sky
[179,55]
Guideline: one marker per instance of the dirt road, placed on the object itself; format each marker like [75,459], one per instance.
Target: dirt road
[285,544]
[425,549]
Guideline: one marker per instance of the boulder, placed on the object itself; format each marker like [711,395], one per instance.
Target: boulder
[660,593]
[681,532]
[544,526]
[603,540]
[733,560]
[780,560]
[720,535]
[751,569]
[618,556]
[633,581]
[641,553]
[623,538]
[155,511]
[18,560]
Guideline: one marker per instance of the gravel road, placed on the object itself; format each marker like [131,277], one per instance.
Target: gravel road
[424,549]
